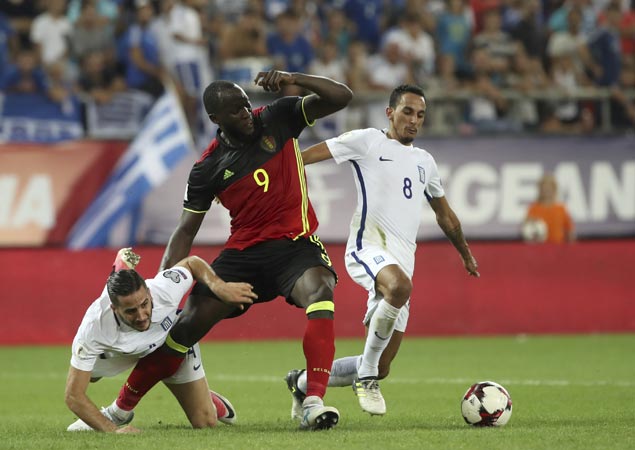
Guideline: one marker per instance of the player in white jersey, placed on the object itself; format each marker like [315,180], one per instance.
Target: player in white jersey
[130,319]
[394,180]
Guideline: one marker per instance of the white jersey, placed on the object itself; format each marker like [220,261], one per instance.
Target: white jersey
[102,335]
[394,182]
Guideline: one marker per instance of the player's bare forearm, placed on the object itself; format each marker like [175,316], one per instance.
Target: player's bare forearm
[237,294]
[316,153]
[78,402]
[180,242]
[179,247]
[88,412]
[329,95]
[452,228]
[454,233]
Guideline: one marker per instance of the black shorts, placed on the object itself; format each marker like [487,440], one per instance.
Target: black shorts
[271,267]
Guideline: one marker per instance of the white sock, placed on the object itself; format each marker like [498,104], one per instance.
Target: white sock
[380,330]
[343,372]
[118,412]
[312,400]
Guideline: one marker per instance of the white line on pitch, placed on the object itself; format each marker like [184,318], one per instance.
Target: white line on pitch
[393,380]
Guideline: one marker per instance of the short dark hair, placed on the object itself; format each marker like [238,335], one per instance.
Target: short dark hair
[213,93]
[399,91]
[123,283]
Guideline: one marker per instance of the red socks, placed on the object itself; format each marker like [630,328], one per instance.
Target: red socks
[149,371]
[319,350]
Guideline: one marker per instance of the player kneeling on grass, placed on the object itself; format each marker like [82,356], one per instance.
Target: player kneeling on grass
[130,319]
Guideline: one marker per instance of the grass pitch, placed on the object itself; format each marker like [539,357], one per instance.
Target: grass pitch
[573,392]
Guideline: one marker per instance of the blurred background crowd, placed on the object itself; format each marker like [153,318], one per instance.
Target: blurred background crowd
[487,66]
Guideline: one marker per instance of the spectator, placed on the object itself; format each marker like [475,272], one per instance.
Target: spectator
[61,90]
[547,209]
[499,45]
[528,77]
[8,43]
[366,15]
[527,30]
[98,81]
[558,20]
[245,38]
[292,52]
[573,43]
[627,30]
[338,28]
[426,10]
[357,72]
[568,116]
[108,9]
[453,35]
[604,45]
[143,65]
[488,109]
[92,32]
[26,76]
[623,107]
[20,14]
[190,58]
[328,65]
[480,8]
[160,27]
[415,45]
[385,70]
[358,79]
[50,32]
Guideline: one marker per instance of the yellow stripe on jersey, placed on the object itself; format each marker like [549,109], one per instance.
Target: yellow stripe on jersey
[175,345]
[303,189]
[304,114]
[326,305]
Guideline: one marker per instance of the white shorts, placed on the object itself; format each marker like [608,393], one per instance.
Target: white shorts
[363,266]
[191,369]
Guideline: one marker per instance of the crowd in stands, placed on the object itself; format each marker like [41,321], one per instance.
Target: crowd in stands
[511,65]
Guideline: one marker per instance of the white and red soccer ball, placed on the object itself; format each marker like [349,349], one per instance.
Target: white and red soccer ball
[486,404]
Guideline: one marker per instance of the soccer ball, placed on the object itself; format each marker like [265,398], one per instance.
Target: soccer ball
[486,404]
[534,230]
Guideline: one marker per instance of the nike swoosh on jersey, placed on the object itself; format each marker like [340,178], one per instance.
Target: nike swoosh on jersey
[196,367]
[381,158]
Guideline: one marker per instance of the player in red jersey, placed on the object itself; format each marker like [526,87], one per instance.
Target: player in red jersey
[254,168]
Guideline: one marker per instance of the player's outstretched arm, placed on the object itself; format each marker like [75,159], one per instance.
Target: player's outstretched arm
[328,95]
[83,407]
[180,242]
[316,153]
[451,226]
[237,294]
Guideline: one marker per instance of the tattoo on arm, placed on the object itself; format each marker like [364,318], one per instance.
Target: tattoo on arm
[455,235]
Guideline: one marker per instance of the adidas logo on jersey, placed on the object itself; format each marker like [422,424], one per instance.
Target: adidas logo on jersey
[228,174]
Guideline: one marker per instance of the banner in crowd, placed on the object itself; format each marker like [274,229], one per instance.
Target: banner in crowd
[120,118]
[45,188]
[489,182]
[163,140]
[36,118]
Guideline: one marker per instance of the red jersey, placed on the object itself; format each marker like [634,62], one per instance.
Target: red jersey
[262,183]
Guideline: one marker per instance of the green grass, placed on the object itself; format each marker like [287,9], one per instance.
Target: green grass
[569,393]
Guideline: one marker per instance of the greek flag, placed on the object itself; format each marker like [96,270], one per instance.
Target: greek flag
[162,141]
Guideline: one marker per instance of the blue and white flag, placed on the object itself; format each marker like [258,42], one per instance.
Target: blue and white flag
[163,140]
